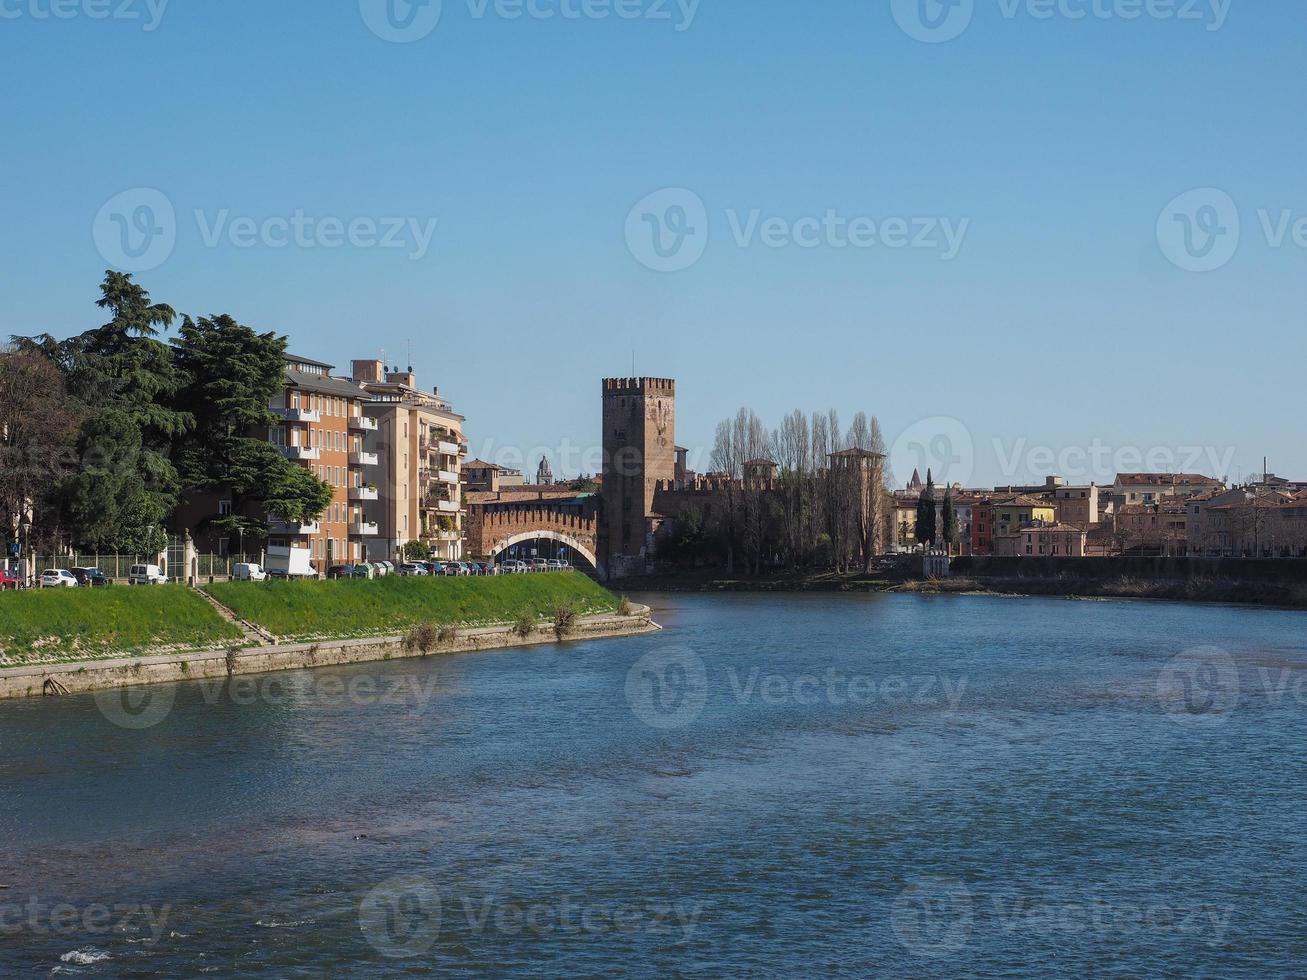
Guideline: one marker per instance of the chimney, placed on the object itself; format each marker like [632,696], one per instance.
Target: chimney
[367,372]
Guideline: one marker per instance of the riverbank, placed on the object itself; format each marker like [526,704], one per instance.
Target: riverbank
[74,678]
[1288,595]
[75,626]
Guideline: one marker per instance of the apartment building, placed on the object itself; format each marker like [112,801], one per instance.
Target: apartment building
[1149,488]
[419,439]
[323,428]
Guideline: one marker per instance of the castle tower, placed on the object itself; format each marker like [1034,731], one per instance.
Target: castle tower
[639,433]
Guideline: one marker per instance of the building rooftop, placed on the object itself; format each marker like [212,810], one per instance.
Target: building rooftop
[1167,480]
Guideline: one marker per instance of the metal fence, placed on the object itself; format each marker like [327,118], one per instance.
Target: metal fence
[117,566]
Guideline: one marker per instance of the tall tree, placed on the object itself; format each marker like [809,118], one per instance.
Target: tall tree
[926,513]
[230,374]
[122,381]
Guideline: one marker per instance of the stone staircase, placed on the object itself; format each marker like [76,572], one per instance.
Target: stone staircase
[254,634]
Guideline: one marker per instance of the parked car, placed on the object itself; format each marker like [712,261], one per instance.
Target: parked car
[9,580]
[413,568]
[511,567]
[340,571]
[539,565]
[58,578]
[248,572]
[91,577]
[555,565]
[146,575]
[455,568]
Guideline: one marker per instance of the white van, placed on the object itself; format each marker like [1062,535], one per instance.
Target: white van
[146,575]
[248,572]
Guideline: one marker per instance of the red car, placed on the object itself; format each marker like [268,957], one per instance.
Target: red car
[8,580]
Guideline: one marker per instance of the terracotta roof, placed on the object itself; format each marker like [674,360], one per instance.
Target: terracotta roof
[1167,480]
[480,464]
[1020,500]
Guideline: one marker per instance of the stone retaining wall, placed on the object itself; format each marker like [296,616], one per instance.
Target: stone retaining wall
[93,675]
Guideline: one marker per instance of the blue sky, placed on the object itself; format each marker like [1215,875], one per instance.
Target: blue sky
[1064,326]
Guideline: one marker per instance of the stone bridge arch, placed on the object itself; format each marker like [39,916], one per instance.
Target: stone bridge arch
[562,538]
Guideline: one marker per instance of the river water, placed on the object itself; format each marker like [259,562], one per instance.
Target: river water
[774,785]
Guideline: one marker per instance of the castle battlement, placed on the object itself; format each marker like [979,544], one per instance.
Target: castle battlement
[626,386]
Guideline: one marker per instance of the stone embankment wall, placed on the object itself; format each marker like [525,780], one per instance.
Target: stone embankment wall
[93,675]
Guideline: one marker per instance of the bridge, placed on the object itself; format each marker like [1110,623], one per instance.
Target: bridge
[548,522]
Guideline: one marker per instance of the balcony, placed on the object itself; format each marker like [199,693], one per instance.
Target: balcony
[447,448]
[361,423]
[298,414]
[447,506]
[445,535]
[445,476]
[364,529]
[301,453]
[362,459]
[362,493]
[293,528]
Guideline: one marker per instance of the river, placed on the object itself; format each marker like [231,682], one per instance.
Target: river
[864,785]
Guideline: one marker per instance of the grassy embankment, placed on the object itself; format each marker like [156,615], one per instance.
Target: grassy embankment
[348,608]
[61,625]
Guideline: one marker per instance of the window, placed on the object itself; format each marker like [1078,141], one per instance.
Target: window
[224,508]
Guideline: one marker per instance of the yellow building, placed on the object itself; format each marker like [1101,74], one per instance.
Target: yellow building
[1017,510]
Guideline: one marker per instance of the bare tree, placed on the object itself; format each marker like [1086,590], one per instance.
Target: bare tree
[38,430]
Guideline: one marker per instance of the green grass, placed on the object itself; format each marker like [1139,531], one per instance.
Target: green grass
[347,607]
[57,625]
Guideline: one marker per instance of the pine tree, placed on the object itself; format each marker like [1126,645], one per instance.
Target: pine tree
[926,513]
[123,380]
[230,376]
